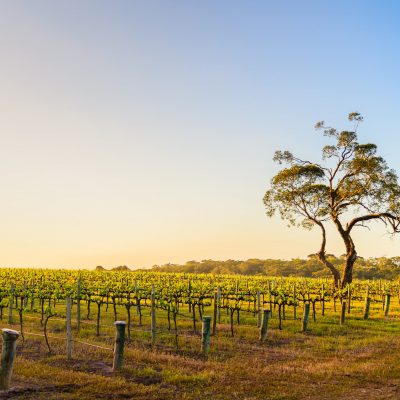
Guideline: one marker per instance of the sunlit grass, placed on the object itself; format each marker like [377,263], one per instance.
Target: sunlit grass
[329,361]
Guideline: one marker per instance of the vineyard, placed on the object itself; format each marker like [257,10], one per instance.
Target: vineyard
[66,320]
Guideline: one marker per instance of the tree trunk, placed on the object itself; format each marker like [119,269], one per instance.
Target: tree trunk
[351,257]
[335,273]
[351,254]
[322,259]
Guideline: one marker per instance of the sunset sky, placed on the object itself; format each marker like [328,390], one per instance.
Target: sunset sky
[142,132]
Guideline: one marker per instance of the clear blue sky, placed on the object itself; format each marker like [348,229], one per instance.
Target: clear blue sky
[142,132]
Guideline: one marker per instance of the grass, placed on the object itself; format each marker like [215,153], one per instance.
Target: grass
[358,360]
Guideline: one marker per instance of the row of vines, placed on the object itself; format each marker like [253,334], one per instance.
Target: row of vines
[177,295]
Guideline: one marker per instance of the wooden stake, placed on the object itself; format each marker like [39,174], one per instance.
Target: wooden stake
[366,307]
[219,304]
[306,313]
[343,313]
[205,335]
[294,301]
[153,316]
[214,329]
[264,324]
[78,305]
[387,305]
[10,305]
[119,345]
[69,329]
[7,357]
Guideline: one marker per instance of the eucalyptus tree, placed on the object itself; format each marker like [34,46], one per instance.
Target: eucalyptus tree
[350,187]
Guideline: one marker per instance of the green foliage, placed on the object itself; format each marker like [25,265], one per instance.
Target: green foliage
[357,181]
[298,195]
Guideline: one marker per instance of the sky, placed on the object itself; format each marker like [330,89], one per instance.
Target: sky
[142,132]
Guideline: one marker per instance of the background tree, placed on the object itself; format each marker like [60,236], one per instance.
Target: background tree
[370,268]
[351,187]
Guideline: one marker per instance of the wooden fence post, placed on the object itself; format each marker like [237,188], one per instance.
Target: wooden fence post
[258,309]
[306,313]
[78,305]
[367,303]
[119,345]
[264,324]
[205,335]
[153,315]
[190,295]
[323,300]
[366,307]
[7,357]
[214,328]
[294,301]
[10,305]
[270,298]
[69,328]
[219,304]
[25,302]
[343,313]
[387,304]
[348,299]
[137,299]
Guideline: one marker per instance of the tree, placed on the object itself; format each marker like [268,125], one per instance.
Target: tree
[121,268]
[351,187]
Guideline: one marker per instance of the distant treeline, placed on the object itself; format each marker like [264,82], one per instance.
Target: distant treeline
[365,268]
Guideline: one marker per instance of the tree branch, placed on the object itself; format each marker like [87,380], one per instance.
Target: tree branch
[385,217]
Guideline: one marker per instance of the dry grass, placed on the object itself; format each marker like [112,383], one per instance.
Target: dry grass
[356,361]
